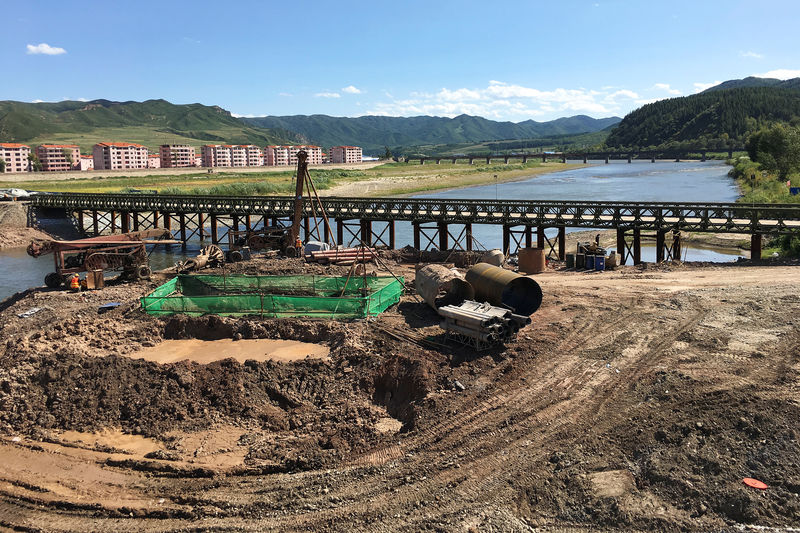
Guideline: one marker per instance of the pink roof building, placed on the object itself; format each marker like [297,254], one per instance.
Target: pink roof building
[238,155]
[345,154]
[154,161]
[255,155]
[86,162]
[115,156]
[59,157]
[287,155]
[176,155]
[216,155]
[16,157]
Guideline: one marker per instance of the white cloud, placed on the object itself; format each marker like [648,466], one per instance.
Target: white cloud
[239,115]
[328,95]
[37,101]
[351,89]
[700,87]
[781,74]
[46,49]
[667,88]
[751,54]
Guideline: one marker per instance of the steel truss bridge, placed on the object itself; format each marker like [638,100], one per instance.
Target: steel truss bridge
[434,220]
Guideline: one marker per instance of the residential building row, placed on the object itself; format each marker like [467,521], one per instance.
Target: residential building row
[126,155]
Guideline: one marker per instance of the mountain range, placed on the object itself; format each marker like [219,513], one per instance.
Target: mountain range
[373,133]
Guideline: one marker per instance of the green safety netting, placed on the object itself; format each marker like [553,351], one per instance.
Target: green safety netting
[274,296]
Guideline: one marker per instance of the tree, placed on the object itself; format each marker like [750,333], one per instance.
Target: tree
[36,165]
[388,153]
[776,148]
[2,165]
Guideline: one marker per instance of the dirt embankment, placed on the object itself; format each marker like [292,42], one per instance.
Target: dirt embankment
[14,232]
[636,400]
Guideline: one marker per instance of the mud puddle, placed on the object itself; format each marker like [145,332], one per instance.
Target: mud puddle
[200,351]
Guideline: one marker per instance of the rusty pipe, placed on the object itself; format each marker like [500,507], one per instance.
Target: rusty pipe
[502,287]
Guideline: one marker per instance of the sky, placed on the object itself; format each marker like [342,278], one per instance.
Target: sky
[504,60]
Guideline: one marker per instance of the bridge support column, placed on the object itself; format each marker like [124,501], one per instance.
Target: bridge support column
[135,221]
[505,160]
[79,214]
[585,159]
[339,231]
[113,221]
[201,226]
[544,157]
[470,160]
[677,159]
[562,243]
[155,219]
[443,244]
[653,159]
[660,245]
[621,245]
[629,158]
[563,158]
[468,233]
[540,237]
[506,239]
[126,221]
[607,157]
[524,159]
[637,246]
[703,156]
[182,223]
[306,229]
[248,223]
[214,234]
[755,247]
[417,243]
[438,161]
[730,154]
[421,160]
[366,232]
[676,245]
[454,160]
[392,241]
[488,160]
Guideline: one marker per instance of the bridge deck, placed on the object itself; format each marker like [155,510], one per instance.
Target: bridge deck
[711,217]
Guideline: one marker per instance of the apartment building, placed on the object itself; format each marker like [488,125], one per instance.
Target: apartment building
[86,162]
[59,157]
[255,155]
[238,155]
[287,155]
[119,155]
[216,155]
[276,156]
[176,155]
[154,161]
[16,157]
[344,154]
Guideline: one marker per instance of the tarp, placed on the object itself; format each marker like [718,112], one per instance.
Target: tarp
[274,296]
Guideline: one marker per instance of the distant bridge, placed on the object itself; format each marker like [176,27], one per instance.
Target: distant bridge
[440,223]
[629,156]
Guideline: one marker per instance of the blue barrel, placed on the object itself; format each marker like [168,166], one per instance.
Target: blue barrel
[589,262]
[600,262]
[580,261]
[570,260]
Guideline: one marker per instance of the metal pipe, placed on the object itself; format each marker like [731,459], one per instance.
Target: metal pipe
[499,286]
[455,314]
[471,333]
[440,286]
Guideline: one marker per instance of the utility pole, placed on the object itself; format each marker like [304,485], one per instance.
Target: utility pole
[302,170]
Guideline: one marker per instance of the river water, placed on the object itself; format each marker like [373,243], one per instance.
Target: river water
[637,181]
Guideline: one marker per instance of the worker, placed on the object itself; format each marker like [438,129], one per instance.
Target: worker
[298,244]
[75,283]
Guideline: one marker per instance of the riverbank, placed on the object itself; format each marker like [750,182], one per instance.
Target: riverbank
[14,230]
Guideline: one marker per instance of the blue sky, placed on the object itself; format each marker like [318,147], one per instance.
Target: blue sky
[513,60]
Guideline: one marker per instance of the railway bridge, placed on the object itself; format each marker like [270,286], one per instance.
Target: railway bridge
[437,223]
[585,156]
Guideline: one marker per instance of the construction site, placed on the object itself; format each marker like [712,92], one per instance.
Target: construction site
[275,383]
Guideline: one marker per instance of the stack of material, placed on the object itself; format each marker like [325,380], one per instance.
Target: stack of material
[481,325]
[343,256]
[209,256]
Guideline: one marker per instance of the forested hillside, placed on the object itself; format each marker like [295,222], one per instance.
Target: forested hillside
[151,123]
[713,119]
[373,133]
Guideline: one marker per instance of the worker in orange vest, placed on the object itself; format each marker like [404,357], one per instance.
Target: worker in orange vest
[75,283]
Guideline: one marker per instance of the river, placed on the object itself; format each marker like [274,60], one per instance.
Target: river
[638,181]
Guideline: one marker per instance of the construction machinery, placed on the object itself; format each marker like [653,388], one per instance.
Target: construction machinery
[124,252]
[266,238]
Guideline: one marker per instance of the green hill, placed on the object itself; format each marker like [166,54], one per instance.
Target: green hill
[151,123]
[372,133]
[714,118]
[752,81]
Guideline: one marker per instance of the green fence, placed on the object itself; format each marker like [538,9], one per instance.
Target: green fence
[274,296]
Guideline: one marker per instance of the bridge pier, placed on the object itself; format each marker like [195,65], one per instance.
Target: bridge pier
[421,160]
[126,221]
[544,157]
[505,160]
[585,159]
[470,160]
[755,247]
[488,160]
[702,156]
[79,215]
[214,234]
[524,159]
[454,160]
[607,158]
[438,161]
[730,154]
[633,250]
[182,224]
[653,159]
[563,158]
[629,159]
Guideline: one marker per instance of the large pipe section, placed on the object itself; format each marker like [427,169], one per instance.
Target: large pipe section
[440,286]
[501,287]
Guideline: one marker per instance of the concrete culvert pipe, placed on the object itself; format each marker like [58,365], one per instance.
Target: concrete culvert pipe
[440,286]
[502,287]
